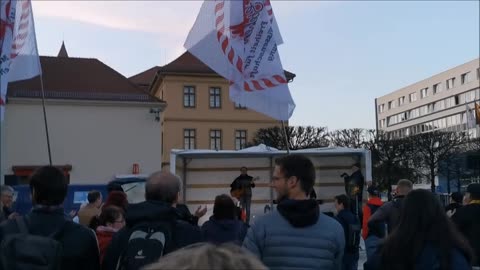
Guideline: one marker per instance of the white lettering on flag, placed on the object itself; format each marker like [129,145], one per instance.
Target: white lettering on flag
[238,40]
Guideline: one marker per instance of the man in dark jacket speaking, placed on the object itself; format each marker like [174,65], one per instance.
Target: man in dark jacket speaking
[241,188]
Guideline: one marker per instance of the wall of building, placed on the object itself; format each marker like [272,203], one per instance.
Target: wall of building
[459,88]
[99,140]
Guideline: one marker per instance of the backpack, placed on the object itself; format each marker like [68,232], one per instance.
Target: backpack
[25,251]
[146,244]
[353,237]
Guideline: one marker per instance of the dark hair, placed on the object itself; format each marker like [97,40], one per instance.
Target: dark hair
[224,207]
[299,166]
[344,200]
[457,197]
[109,215]
[419,226]
[93,196]
[48,186]
[116,198]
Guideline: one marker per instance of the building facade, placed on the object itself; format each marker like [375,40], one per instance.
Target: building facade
[445,101]
[99,123]
[199,113]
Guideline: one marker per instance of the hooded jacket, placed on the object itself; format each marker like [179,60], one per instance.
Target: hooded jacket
[225,230]
[183,233]
[376,228]
[297,236]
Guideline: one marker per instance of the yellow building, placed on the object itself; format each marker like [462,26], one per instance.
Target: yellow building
[199,113]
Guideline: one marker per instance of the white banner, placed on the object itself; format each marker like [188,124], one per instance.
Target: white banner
[238,40]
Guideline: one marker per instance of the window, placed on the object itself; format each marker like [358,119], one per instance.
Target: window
[465,78]
[239,106]
[215,139]
[382,123]
[424,93]
[215,97]
[413,97]
[240,139]
[189,138]
[381,108]
[437,88]
[391,104]
[450,83]
[189,96]
[401,101]
[439,105]
[470,96]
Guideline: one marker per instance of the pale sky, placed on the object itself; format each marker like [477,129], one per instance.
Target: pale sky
[344,53]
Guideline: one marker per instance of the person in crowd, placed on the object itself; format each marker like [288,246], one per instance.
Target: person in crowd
[152,227]
[6,196]
[241,188]
[456,199]
[208,256]
[116,198]
[424,239]
[110,221]
[351,228]
[297,235]
[224,226]
[376,231]
[467,219]
[92,209]
[389,212]
[37,237]
[354,185]
[185,214]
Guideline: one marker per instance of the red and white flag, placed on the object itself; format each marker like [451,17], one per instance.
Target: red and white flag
[18,47]
[238,40]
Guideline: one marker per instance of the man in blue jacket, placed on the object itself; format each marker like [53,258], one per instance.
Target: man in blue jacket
[298,235]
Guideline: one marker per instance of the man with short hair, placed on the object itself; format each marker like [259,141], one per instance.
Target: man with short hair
[6,197]
[351,228]
[156,218]
[467,219]
[243,184]
[389,213]
[47,220]
[92,209]
[298,235]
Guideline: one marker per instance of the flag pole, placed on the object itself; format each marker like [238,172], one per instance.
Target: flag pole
[285,136]
[42,89]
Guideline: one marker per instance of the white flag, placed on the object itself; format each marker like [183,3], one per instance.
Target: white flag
[18,48]
[238,40]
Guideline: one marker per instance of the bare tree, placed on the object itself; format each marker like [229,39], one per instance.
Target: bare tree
[298,137]
[434,147]
[351,138]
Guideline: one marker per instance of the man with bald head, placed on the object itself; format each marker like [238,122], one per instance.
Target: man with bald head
[152,227]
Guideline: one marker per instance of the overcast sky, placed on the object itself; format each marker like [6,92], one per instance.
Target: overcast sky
[344,53]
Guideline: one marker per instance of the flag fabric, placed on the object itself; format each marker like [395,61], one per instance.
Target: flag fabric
[19,58]
[238,40]
[477,113]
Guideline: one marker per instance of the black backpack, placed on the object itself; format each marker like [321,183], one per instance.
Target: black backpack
[146,244]
[353,236]
[25,251]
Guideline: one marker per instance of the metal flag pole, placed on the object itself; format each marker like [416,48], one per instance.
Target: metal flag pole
[42,89]
[285,136]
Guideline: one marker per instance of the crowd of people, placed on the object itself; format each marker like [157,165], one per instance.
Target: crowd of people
[413,231]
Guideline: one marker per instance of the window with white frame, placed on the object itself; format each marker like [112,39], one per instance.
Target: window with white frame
[413,97]
[381,108]
[465,78]
[437,88]
[424,92]
[189,138]
[189,96]
[451,83]
[391,104]
[401,101]
[215,97]
[215,139]
[240,139]
[470,96]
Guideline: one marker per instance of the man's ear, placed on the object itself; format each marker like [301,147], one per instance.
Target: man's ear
[292,181]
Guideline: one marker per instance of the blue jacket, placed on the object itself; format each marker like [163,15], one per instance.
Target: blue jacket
[222,231]
[297,236]
[428,260]
[352,238]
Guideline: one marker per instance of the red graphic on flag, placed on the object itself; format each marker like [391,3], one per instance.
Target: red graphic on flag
[23,27]
[5,24]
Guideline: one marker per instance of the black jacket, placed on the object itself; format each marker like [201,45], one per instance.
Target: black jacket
[184,233]
[223,231]
[184,214]
[467,219]
[80,243]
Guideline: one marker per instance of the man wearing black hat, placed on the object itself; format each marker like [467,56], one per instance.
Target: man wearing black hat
[467,219]
[456,199]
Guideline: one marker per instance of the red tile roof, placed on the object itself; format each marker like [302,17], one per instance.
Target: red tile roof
[186,63]
[80,79]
